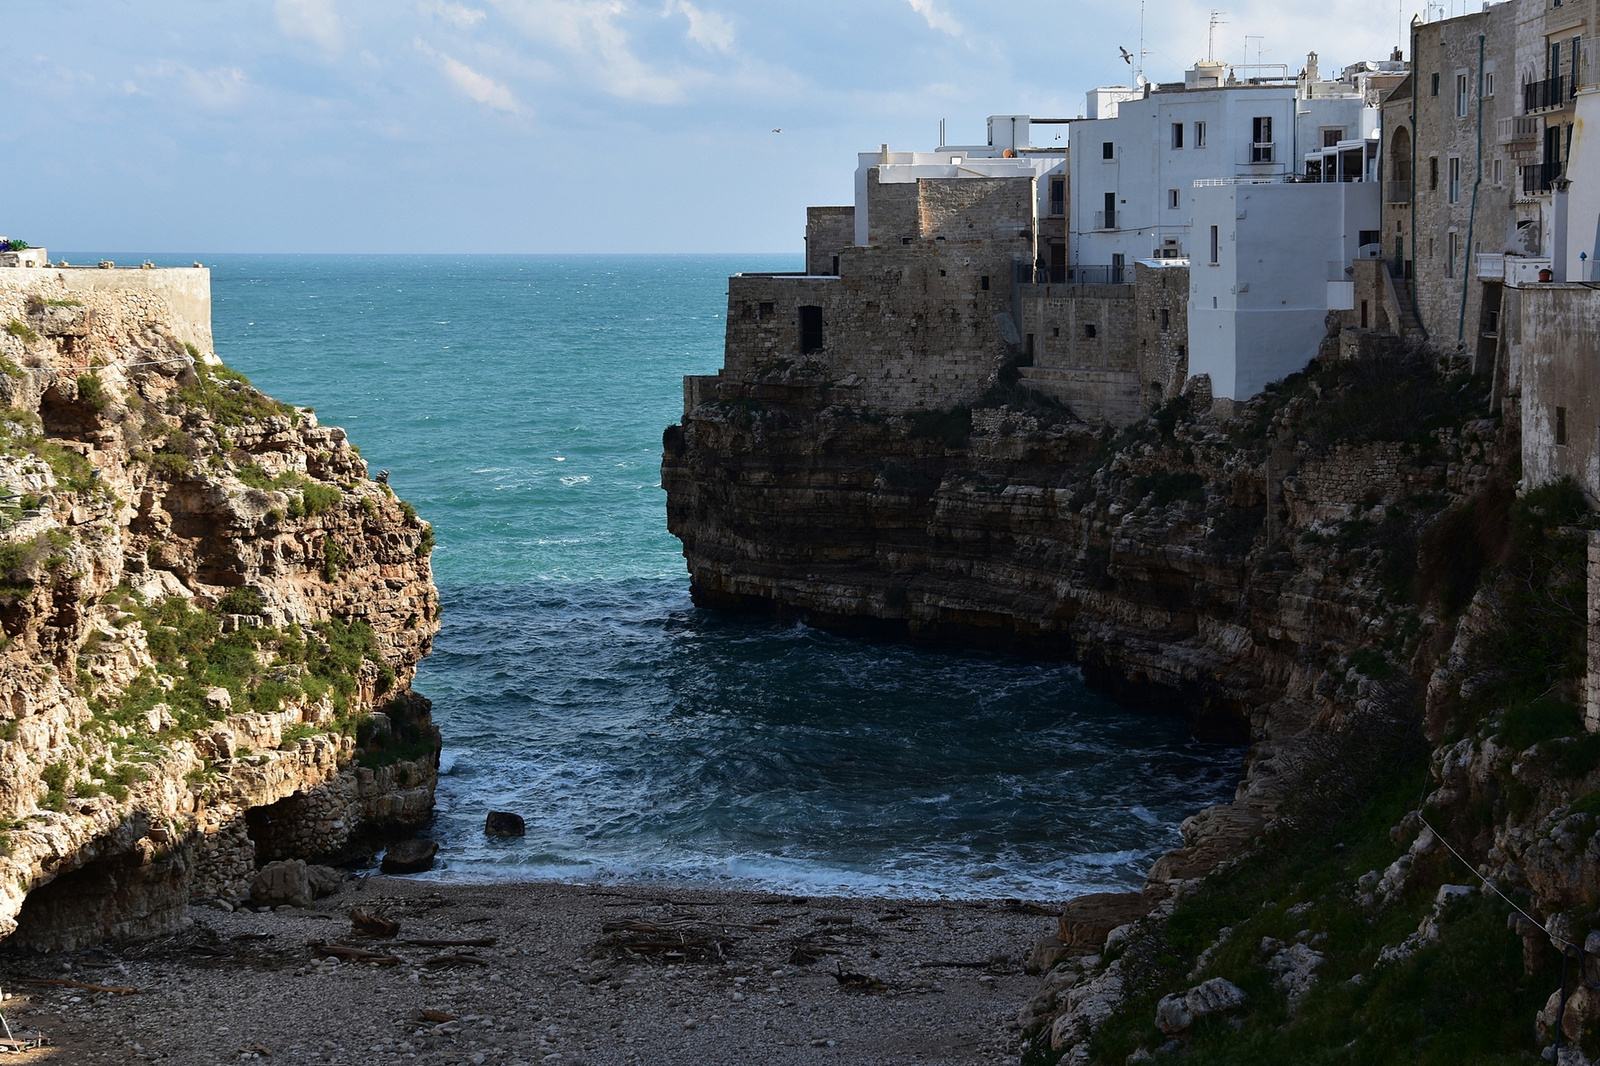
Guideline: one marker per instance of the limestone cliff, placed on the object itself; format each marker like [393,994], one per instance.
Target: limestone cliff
[1337,573]
[211,621]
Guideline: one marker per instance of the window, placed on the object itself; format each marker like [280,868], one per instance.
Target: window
[1363,314]
[1118,263]
[1216,246]
[1455,179]
[1166,319]
[1108,150]
[1435,85]
[1488,83]
[1172,199]
[766,310]
[1369,236]
[1498,174]
[1058,197]
[1332,137]
[1461,96]
[1199,134]
[1177,135]
[984,282]
[1561,426]
[1111,210]
[1433,172]
[1452,244]
[1089,330]
[810,330]
[1261,139]
[1030,346]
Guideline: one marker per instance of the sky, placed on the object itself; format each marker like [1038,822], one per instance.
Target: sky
[548,126]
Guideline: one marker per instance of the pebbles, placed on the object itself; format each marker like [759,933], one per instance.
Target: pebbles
[549,992]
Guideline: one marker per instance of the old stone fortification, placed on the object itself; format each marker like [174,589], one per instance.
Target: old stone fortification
[204,602]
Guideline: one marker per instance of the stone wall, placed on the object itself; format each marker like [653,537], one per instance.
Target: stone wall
[1560,385]
[1449,295]
[121,303]
[829,230]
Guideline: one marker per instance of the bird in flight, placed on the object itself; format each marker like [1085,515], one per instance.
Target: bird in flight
[777,131]
[1127,56]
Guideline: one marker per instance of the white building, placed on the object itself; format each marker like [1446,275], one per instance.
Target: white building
[1008,154]
[1132,172]
[1272,261]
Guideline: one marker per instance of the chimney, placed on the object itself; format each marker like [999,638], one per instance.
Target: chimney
[1312,73]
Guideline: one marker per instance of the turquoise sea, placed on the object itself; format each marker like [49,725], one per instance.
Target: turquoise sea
[518,402]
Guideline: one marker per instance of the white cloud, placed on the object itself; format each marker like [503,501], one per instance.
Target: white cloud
[455,14]
[706,28]
[216,89]
[312,20]
[474,85]
[935,18]
[589,32]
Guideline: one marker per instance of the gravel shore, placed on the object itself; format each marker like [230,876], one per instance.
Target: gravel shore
[552,974]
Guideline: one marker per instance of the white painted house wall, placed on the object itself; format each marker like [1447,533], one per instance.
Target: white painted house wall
[1146,168]
[1582,244]
[1259,313]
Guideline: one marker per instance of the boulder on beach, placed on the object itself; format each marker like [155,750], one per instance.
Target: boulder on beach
[504,824]
[410,857]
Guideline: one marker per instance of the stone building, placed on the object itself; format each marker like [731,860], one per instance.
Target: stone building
[1453,211]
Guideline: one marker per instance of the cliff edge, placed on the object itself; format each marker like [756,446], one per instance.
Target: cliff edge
[211,619]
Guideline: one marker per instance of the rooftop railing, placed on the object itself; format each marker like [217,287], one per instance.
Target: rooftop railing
[1073,275]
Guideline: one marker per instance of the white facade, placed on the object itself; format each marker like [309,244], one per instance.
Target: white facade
[1132,173]
[1008,154]
[1261,288]
[1575,244]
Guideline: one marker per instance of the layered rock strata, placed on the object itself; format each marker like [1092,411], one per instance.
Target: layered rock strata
[211,620]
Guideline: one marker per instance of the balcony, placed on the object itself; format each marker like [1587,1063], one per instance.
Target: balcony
[1491,267]
[1538,178]
[1058,209]
[1397,192]
[1546,94]
[1105,220]
[1520,129]
[1263,153]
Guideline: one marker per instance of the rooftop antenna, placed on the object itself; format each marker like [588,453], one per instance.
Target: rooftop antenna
[1139,74]
[1247,39]
[1211,37]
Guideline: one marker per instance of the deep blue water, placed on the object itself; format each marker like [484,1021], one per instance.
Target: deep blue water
[519,403]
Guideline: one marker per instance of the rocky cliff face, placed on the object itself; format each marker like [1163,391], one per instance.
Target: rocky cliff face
[211,618]
[1336,572]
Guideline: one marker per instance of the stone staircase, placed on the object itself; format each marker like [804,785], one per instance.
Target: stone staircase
[1410,324]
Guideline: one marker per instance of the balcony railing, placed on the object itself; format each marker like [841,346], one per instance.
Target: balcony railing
[1539,177]
[1105,220]
[1521,129]
[1543,95]
[1491,267]
[1073,275]
[1263,153]
[1397,192]
[1058,208]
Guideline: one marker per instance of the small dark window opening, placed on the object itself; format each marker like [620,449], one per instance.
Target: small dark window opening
[1363,314]
[1436,85]
[1433,172]
[1089,330]
[1030,349]
[1561,426]
[810,330]
[985,282]
[835,266]
[1182,352]
[1166,319]
[1055,331]
[1108,150]
[942,273]
[767,310]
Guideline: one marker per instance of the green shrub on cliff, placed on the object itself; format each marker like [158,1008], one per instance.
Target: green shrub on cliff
[92,392]
[22,331]
[227,397]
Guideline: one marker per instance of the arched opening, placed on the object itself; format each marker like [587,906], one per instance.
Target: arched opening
[1400,156]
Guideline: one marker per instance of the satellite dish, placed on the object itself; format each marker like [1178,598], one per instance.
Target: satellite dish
[1141,81]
